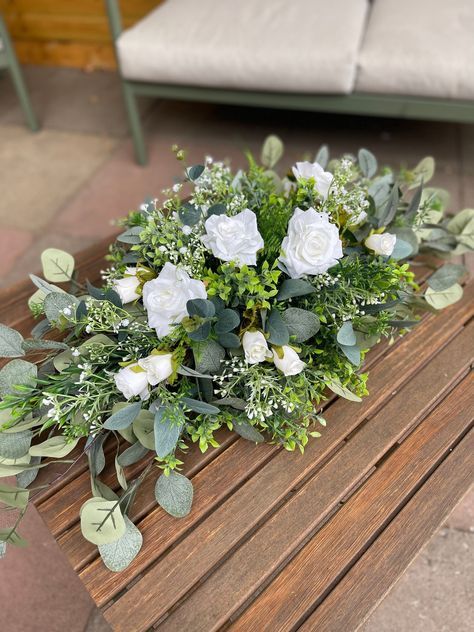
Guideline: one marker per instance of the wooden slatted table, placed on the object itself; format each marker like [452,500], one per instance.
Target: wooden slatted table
[279,541]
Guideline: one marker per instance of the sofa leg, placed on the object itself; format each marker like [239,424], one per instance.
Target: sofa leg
[135,124]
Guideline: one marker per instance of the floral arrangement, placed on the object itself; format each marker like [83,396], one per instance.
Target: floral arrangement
[239,300]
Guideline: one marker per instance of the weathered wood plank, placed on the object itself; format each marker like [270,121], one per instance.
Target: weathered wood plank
[287,529]
[211,486]
[319,565]
[174,576]
[354,598]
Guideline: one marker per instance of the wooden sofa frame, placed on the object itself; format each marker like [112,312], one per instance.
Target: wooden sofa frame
[9,61]
[460,111]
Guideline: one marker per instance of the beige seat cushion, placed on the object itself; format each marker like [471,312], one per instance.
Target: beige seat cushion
[419,47]
[275,45]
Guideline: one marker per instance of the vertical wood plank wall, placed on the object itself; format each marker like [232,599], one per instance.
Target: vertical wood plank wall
[67,32]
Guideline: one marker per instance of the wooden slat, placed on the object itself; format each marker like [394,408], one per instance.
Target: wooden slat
[226,473]
[282,534]
[401,364]
[174,576]
[319,565]
[61,510]
[354,598]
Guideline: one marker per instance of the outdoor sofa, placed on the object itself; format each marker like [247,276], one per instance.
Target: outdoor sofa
[399,58]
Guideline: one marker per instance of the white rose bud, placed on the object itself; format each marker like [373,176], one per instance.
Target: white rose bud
[312,244]
[127,287]
[131,384]
[166,296]
[234,238]
[382,244]
[322,179]
[157,367]
[290,363]
[255,347]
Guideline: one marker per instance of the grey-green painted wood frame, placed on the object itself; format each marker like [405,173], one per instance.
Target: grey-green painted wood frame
[425,108]
[9,61]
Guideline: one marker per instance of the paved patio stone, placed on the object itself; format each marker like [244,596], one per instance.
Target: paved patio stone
[70,100]
[39,591]
[39,172]
[436,594]
[13,244]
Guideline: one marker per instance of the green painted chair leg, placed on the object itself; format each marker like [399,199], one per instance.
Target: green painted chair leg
[135,124]
[17,77]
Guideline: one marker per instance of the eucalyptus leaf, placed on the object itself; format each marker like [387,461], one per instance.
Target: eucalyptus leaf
[130,236]
[143,427]
[10,536]
[195,172]
[228,320]
[301,323]
[272,151]
[58,265]
[339,389]
[167,431]
[414,203]
[56,447]
[63,360]
[200,307]
[14,496]
[15,445]
[352,353]
[423,172]
[174,493]
[446,276]
[229,340]
[121,553]
[200,333]
[101,490]
[401,250]
[43,285]
[123,417]
[136,452]
[15,373]
[294,287]
[387,213]
[277,329]
[198,406]
[247,431]
[25,478]
[122,479]
[102,521]
[233,402]
[216,209]
[40,345]
[346,335]
[458,224]
[11,467]
[444,298]
[189,214]
[189,372]
[11,343]
[56,302]
[367,163]
[322,156]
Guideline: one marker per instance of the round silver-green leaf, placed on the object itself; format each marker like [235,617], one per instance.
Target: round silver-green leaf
[175,494]
[15,445]
[58,265]
[102,521]
[10,343]
[56,447]
[119,554]
[15,373]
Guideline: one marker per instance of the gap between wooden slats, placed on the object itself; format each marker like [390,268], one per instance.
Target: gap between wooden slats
[333,550]
[173,571]
[354,598]
[329,473]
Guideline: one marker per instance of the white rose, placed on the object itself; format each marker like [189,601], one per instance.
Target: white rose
[131,383]
[157,367]
[166,296]
[255,347]
[234,238]
[312,244]
[127,287]
[322,179]
[381,244]
[290,363]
